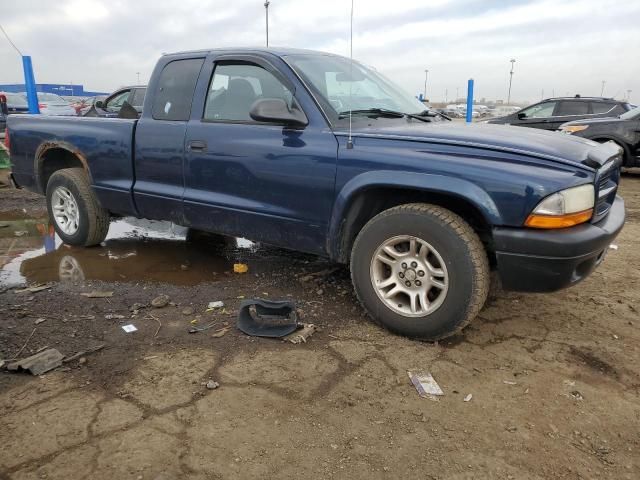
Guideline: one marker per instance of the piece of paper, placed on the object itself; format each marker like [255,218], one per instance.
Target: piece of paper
[129,328]
[425,384]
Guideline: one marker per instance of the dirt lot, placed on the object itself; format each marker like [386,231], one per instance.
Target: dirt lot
[555,378]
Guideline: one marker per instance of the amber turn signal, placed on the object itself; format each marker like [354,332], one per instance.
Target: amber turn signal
[559,221]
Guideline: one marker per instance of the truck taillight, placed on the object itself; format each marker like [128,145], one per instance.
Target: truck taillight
[41,106]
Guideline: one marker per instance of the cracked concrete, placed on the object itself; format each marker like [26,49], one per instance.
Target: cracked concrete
[340,406]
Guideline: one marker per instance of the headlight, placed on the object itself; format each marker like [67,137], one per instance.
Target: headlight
[573,128]
[564,209]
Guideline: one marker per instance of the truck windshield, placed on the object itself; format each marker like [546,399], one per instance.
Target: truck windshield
[343,86]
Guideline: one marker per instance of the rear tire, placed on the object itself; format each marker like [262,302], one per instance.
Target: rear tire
[74,210]
[420,270]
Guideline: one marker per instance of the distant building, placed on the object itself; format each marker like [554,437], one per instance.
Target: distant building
[65,90]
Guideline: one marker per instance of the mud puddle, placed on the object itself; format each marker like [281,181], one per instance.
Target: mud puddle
[135,250]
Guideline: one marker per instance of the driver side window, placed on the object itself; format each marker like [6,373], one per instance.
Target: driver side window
[542,110]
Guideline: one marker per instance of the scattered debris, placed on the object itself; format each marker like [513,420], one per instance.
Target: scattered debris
[129,328]
[577,395]
[40,320]
[188,311]
[509,382]
[20,233]
[211,385]
[25,343]
[468,398]
[613,246]
[220,333]
[35,288]
[82,360]
[97,294]
[1,364]
[216,304]
[160,301]
[314,276]
[240,268]
[136,307]
[202,329]
[114,316]
[39,363]
[158,322]
[194,321]
[83,353]
[302,335]
[267,318]
[425,384]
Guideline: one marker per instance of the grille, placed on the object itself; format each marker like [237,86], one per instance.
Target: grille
[607,181]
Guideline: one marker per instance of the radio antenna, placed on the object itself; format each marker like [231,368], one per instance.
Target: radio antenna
[350,141]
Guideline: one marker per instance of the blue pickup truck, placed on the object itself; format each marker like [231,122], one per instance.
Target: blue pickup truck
[311,152]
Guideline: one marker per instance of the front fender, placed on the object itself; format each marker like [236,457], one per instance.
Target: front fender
[423,182]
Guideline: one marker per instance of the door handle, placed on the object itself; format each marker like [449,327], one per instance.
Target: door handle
[197,145]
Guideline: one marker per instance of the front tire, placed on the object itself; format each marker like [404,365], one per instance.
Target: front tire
[420,270]
[74,210]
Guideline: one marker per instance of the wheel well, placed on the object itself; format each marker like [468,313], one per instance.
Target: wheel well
[371,202]
[53,160]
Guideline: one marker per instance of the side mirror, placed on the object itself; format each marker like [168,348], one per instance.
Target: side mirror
[275,110]
[522,116]
[99,104]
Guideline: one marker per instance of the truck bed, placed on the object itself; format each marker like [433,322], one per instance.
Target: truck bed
[105,145]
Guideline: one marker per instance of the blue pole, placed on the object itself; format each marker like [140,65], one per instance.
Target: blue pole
[470,100]
[30,84]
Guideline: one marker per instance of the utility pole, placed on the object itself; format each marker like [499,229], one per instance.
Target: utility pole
[628,95]
[542,95]
[446,95]
[513,60]
[138,74]
[457,94]
[266,11]
[426,75]
[602,89]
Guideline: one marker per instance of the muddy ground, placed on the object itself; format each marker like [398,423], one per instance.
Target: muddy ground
[554,378]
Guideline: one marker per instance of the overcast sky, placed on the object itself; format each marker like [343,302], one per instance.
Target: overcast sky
[561,46]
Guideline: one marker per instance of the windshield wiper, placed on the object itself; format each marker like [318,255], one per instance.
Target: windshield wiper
[432,113]
[383,112]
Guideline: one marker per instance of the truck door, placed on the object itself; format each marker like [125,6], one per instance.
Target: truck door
[159,140]
[264,181]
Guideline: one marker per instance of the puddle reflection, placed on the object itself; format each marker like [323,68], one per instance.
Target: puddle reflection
[135,250]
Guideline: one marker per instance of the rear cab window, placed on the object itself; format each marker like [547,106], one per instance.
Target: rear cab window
[174,91]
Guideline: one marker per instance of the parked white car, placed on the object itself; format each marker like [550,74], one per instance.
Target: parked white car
[52,104]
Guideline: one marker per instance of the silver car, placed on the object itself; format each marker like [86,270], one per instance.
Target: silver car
[52,104]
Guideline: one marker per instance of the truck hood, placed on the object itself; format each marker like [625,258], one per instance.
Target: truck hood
[531,142]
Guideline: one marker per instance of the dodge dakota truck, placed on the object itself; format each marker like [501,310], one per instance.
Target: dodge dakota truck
[312,152]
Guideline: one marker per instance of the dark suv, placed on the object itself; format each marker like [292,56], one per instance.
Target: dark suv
[549,114]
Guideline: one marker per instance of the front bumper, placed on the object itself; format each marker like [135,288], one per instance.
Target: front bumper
[547,260]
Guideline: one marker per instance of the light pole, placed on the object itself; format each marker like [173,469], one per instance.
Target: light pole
[602,89]
[513,60]
[266,11]
[457,94]
[138,74]
[426,75]
[628,95]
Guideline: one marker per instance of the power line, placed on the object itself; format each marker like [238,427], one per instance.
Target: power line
[12,44]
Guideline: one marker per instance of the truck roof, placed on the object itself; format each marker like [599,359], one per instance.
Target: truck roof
[278,51]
